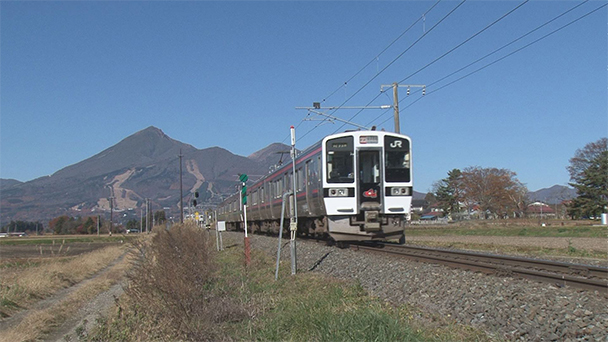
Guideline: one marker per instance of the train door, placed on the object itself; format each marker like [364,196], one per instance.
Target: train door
[370,179]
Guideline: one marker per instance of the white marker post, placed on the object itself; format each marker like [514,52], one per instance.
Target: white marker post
[293,226]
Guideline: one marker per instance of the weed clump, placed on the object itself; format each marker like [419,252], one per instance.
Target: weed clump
[171,290]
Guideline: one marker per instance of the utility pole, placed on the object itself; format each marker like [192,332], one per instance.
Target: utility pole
[111,215]
[147,214]
[396,107]
[293,225]
[395,86]
[181,193]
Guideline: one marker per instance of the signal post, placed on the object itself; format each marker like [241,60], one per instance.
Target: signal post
[243,194]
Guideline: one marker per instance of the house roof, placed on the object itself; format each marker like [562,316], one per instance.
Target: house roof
[535,208]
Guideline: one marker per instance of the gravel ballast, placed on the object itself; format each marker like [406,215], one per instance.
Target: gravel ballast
[506,308]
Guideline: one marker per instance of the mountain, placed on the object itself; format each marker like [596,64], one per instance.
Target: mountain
[6,183]
[553,195]
[146,165]
[142,166]
[271,154]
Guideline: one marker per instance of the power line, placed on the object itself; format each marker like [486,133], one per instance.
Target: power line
[383,51]
[466,40]
[510,43]
[514,52]
[500,59]
[364,67]
[459,45]
[395,59]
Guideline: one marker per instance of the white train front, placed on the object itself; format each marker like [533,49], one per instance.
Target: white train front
[352,186]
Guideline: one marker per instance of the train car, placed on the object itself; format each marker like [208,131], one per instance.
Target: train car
[351,186]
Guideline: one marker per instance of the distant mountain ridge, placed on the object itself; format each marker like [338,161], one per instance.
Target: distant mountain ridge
[145,165]
[553,195]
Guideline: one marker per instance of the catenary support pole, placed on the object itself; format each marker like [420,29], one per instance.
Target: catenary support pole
[276,272]
[181,193]
[396,107]
[293,227]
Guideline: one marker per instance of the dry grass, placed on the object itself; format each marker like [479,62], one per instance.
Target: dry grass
[21,286]
[172,291]
[37,323]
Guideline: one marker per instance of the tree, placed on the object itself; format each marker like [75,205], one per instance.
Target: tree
[448,192]
[497,191]
[90,225]
[430,198]
[133,224]
[159,217]
[589,176]
[59,224]
[22,226]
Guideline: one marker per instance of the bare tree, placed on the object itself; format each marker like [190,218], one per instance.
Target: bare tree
[497,192]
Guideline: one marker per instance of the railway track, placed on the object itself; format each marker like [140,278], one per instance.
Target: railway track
[587,277]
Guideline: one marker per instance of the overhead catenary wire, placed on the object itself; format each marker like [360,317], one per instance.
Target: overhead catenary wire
[387,66]
[447,53]
[466,40]
[383,51]
[508,44]
[507,55]
[394,60]
[365,66]
[495,51]
[454,49]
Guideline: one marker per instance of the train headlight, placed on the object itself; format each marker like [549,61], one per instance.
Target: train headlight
[400,191]
[338,192]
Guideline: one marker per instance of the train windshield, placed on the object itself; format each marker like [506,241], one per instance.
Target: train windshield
[397,159]
[340,160]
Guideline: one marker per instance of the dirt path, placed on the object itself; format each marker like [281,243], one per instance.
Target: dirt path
[100,304]
[85,318]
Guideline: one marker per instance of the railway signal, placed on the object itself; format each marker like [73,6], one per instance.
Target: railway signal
[194,201]
[243,178]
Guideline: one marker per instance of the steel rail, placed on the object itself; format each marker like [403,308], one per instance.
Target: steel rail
[591,277]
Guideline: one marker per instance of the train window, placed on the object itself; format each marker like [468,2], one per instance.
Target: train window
[397,159]
[340,161]
[310,171]
[300,179]
[319,168]
[369,166]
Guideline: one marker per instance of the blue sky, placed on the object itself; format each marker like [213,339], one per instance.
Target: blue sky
[79,76]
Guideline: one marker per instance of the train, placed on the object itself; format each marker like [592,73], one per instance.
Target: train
[350,186]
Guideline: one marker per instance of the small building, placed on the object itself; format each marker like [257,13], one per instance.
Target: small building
[539,210]
[418,206]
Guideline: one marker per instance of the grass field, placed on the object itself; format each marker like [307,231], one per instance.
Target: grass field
[226,301]
[26,281]
[64,239]
[509,230]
